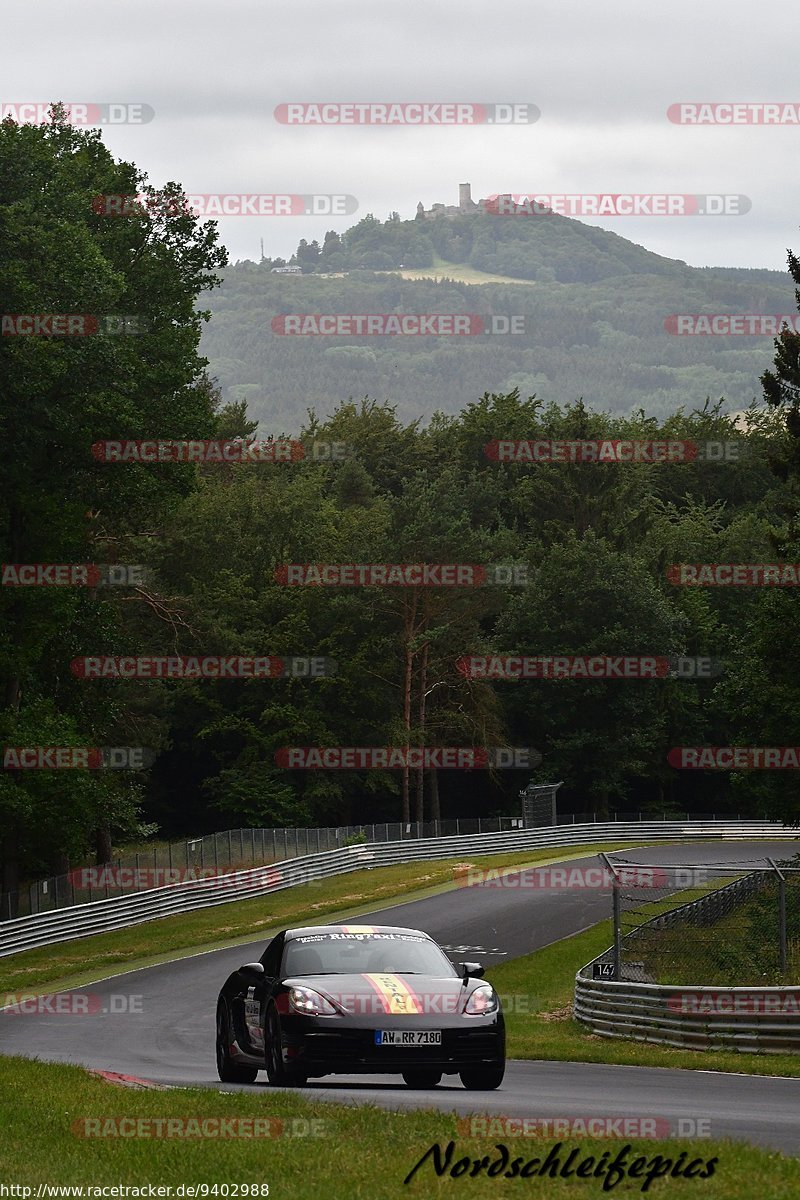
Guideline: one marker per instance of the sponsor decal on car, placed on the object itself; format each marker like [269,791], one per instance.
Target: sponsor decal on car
[396,996]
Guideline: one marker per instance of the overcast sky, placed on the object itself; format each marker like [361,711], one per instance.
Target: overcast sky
[603,76]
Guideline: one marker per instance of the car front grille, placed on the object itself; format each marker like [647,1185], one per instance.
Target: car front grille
[356,1047]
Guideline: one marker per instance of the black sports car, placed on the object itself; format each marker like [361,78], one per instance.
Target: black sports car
[347,999]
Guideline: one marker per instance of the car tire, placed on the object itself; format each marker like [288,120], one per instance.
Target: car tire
[483,1078]
[228,1069]
[420,1077]
[278,1073]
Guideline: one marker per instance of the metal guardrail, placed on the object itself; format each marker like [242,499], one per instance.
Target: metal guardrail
[706,910]
[235,849]
[703,1017]
[227,850]
[102,916]
[749,1019]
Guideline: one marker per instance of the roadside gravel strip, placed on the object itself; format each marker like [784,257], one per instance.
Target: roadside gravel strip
[163,1026]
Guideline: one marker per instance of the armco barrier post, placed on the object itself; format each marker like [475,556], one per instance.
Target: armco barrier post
[781,913]
[615,914]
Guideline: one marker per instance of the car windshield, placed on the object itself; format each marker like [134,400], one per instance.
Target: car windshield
[365,953]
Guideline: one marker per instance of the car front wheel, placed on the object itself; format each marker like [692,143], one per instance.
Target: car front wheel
[483,1078]
[228,1069]
[279,1073]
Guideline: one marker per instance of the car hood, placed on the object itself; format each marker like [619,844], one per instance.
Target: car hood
[383,993]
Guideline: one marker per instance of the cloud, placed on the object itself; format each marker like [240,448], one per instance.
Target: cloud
[603,77]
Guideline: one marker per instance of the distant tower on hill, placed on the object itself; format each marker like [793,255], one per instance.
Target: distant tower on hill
[465,205]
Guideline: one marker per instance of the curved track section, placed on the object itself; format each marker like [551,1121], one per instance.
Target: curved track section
[169,1035]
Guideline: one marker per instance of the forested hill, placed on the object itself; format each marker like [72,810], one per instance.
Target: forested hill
[547,248]
[594,305]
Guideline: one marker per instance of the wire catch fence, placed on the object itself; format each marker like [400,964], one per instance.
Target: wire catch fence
[725,925]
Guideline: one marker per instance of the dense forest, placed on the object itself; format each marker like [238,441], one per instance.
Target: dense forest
[549,248]
[595,307]
[597,539]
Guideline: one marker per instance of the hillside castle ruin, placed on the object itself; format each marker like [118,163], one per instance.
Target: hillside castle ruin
[465,205]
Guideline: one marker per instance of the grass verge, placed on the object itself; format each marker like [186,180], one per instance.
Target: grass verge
[70,964]
[739,949]
[460,272]
[358,1153]
[545,981]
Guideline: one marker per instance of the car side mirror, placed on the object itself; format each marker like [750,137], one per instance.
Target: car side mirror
[254,968]
[471,970]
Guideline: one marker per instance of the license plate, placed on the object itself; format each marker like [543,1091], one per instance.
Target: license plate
[408,1037]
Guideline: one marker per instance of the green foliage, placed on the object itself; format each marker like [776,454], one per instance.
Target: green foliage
[741,949]
[594,330]
[597,540]
[58,396]
[355,839]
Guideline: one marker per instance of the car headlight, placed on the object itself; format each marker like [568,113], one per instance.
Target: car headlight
[310,1003]
[483,1000]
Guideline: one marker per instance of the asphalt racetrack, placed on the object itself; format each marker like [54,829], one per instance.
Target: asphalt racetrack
[171,1040]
